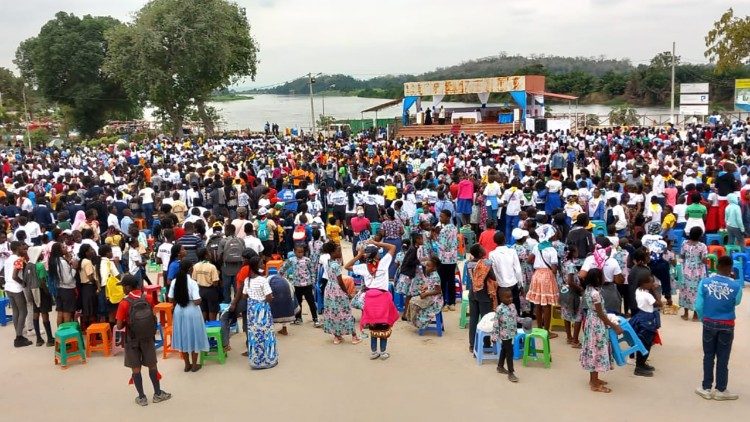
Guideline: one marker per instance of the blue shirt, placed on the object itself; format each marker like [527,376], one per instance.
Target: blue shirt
[717,297]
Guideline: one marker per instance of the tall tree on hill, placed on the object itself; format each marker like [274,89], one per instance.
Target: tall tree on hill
[177,52]
[65,62]
[728,42]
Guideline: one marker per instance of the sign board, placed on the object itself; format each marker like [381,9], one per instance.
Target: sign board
[700,88]
[465,86]
[742,94]
[693,99]
[694,110]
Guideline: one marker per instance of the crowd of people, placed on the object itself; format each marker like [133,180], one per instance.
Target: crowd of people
[592,223]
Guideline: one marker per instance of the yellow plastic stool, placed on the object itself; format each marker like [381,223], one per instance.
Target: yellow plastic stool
[556,319]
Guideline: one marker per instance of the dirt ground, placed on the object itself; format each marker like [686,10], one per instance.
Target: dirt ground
[426,378]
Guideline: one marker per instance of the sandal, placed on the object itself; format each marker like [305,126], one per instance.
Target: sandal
[356,340]
[576,345]
[684,317]
[337,340]
[553,335]
[601,388]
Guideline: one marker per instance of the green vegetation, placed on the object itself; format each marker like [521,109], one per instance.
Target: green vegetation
[218,98]
[728,42]
[177,52]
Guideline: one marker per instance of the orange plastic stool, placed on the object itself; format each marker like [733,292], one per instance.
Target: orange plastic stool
[717,250]
[164,311]
[166,347]
[101,329]
[276,263]
[153,291]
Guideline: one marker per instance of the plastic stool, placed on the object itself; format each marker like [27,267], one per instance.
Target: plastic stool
[482,353]
[153,291]
[163,294]
[678,275]
[276,263]
[714,237]
[4,317]
[159,342]
[717,250]
[400,301]
[166,347]
[463,318]
[438,327]
[711,261]
[164,312]
[531,353]
[101,329]
[739,271]
[556,319]
[118,346]
[518,341]
[69,337]
[732,249]
[214,333]
[630,337]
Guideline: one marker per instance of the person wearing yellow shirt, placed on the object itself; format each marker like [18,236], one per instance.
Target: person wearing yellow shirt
[389,192]
[333,231]
[668,222]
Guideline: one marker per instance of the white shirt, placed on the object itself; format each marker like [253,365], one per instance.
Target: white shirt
[10,284]
[380,279]
[163,253]
[506,266]
[645,300]
[513,197]
[193,289]
[549,255]
[107,267]
[134,258]
[254,243]
[147,194]
[256,288]
[323,261]
[112,221]
[611,267]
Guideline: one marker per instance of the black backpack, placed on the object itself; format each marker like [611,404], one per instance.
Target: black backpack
[141,319]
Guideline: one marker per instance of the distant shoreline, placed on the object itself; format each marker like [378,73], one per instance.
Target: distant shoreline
[230,97]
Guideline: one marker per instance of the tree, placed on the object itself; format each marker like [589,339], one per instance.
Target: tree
[177,52]
[65,62]
[728,43]
[623,115]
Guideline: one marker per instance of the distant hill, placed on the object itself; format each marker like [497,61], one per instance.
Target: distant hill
[593,79]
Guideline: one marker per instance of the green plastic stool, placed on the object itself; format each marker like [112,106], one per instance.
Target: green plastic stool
[71,324]
[62,337]
[163,294]
[218,355]
[732,249]
[714,261]
[531,353]
[463,319]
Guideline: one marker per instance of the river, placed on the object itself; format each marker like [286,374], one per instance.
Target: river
[294,110]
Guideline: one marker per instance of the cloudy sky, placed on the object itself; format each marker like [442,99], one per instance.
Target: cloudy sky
[376,37]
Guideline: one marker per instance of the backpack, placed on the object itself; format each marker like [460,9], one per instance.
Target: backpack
[141,319]
[233,250]
[263,234]
[30,276]
[300,233]
[558,161]
[114,292]
[212,249]
[581,239]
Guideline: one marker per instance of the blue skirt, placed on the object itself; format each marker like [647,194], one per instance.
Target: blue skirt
[261,340]
[189,332]
[392,269]
[553,203]
[463,206]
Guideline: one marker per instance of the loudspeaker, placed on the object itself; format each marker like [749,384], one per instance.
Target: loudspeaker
[540,125]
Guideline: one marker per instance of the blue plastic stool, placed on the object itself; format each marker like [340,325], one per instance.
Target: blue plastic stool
[273,271]
[438,327]
[518,341]
[400,301]
[744,259]
[630,337]
[4,317]
[158,342]
[714,237]
[739,271]
[485,353]
[679,239]
[319,294]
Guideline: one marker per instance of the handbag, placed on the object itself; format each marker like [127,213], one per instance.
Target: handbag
[487,323]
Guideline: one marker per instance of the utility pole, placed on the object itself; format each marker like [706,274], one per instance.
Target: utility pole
[312,105]
[671,102]
[26,113]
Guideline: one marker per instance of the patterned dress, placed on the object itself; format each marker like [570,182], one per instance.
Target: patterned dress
[693,271]
[527,270]
[505,323]
[595,353]
[422,315]
[261,340]
[448,244]
[570,314]
[337,314]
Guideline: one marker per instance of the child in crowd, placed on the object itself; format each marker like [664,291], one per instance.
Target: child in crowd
[139,342]
[570,298]
[668,222]
[504,331]
[427,296]
[334,230]
[595,356]
[300,272]
[645,323]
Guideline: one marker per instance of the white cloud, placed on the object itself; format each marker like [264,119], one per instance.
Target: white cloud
[367,38]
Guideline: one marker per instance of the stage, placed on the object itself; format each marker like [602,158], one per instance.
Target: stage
[426,131]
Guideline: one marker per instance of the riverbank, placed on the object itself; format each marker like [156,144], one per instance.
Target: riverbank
[230,97]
